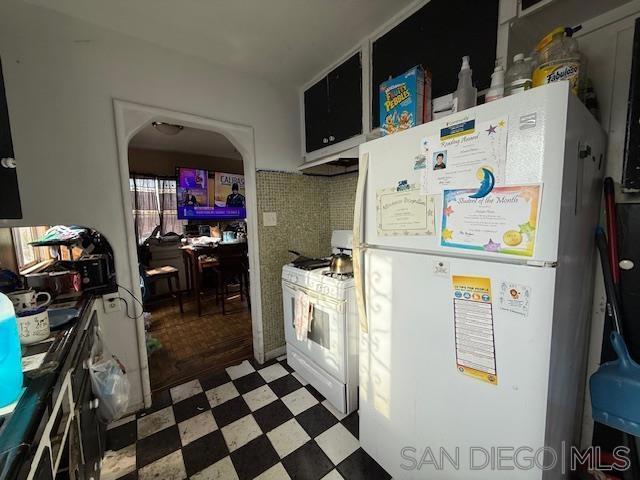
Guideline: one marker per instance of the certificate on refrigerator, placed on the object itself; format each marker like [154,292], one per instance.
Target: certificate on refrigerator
[473,318]
[503,222]
[405,210]
[457,156]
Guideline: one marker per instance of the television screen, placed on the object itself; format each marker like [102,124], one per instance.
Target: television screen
[205,195]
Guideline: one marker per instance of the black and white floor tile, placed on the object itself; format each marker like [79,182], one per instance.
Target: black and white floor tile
[263,422]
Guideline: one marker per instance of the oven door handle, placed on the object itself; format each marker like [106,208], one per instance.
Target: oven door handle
[358,246]
[316,298]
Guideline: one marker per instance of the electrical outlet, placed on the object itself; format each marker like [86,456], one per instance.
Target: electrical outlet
[270,219]
[111,302]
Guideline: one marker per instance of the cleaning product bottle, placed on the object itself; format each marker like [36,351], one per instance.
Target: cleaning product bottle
[496,90]
[559,59]
[518,77]
[10,354]
[466,95]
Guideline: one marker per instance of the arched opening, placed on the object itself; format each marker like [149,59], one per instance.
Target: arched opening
[180,229]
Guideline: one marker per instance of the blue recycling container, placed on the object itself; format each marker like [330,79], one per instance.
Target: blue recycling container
[10,354]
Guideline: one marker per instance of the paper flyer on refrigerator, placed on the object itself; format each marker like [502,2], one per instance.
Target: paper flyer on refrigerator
[473,317]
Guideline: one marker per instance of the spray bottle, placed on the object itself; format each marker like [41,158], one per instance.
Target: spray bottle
[466,95]
[496,90]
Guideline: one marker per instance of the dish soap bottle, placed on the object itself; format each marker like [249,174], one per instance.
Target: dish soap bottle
[559,59]
[10,354]
[518,77]
[496,90]
[466,95]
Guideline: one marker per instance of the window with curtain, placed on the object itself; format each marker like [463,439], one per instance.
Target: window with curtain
[154,204]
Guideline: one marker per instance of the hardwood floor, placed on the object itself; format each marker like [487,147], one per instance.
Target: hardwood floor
[193,345]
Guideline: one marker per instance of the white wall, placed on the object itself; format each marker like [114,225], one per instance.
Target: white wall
[164,163]
[61,76]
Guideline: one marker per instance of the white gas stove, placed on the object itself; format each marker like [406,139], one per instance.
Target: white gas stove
[328,357]
[319,280]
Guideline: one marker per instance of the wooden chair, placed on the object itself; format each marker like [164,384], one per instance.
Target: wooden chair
[168,273]
[232,266]
[202,265]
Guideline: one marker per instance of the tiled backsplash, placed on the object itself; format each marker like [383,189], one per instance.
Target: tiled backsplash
[308,209]
[341,192]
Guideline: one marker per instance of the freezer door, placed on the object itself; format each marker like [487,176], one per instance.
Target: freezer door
[413,394]
[539,150]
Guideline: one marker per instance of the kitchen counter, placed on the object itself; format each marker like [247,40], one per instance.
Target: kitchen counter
[45,366]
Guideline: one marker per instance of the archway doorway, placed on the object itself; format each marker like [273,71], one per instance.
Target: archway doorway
[131,119]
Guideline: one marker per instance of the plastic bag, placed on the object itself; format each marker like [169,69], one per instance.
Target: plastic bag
[109,382]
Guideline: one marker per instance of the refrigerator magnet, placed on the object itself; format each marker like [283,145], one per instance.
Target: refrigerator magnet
[514,298]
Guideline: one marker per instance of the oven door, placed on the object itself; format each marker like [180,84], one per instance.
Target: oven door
[325,342]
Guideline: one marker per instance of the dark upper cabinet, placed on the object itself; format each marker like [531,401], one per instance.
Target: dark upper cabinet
[316,115]
[10,201]
[631,159]
[333,106]
[345,100]
[428,38]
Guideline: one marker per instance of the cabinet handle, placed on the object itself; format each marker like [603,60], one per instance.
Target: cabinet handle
[8,162]
[332,138]
[325,140]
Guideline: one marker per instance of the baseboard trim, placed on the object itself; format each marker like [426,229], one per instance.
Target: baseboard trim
[275,353]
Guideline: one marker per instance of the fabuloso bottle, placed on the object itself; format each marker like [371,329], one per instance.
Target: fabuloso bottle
[10,354]
[559,59]
[466,95]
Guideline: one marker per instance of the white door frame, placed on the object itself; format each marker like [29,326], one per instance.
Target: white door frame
[132,117]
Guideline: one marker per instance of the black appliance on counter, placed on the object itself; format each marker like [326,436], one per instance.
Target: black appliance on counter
[95,271]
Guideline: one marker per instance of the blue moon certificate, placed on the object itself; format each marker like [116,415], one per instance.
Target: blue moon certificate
[505,221]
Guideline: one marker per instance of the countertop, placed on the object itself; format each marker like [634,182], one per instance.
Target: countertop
[21,429]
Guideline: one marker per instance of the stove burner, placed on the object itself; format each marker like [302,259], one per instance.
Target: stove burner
[338,276]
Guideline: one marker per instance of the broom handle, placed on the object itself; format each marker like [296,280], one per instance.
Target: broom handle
[609,285]
[612,229]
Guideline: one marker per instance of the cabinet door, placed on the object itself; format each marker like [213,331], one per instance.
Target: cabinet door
[44,471]
[91,432]
[315,116]
[345,100]
[10,203]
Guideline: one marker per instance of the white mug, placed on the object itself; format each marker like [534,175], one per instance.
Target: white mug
[24,300]
[33,328]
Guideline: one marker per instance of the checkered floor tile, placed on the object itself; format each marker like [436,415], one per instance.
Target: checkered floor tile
[254,421]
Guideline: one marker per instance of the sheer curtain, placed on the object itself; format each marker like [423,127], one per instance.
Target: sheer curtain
[146,211]
[154,204]
[169,206]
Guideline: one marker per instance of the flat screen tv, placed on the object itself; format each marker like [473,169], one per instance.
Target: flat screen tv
[206,195]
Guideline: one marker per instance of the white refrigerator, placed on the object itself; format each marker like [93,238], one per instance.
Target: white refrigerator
[473,330]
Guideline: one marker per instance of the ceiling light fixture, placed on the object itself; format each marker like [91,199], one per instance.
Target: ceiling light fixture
[167,128]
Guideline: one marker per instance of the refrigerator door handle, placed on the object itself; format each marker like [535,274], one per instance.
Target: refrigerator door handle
[358,247]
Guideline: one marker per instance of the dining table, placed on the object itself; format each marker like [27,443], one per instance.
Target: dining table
[198,258]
